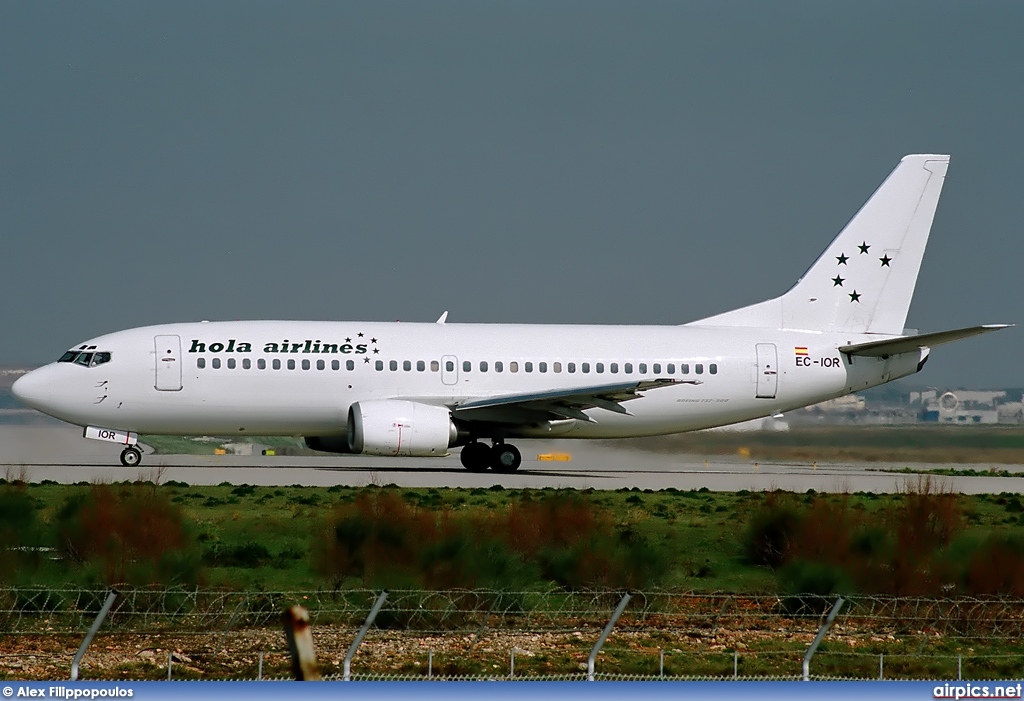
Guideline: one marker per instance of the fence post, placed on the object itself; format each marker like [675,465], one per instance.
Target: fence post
[818,638]
[92,632]
[259,670]
[735,664]
[347,669]
[661,663]
[959,667]
[430,664]
[300,644]
[170,662]
[881,658]
[604,636]
[512,665]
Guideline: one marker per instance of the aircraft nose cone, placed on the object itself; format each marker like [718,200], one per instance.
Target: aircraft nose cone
[29,389]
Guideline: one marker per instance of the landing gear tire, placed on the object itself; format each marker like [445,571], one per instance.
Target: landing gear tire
[131,456]
[476,457]
[505,458]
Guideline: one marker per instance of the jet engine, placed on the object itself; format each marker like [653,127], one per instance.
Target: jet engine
[398,427]
[328,444]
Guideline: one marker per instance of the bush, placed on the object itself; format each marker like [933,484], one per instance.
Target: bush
[129,534]
[380,540]
[772,531]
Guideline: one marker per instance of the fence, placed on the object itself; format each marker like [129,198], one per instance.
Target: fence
[192,633]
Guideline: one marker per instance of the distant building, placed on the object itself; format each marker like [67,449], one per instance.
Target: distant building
[848,403]
[966,407]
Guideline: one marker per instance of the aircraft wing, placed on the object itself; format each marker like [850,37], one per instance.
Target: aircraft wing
[559,404]
[907,344]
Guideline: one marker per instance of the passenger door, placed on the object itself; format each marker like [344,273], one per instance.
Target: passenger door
[168,363]
[767,370]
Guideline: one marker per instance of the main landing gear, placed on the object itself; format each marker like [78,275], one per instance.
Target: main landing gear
[131,456]
[501,457]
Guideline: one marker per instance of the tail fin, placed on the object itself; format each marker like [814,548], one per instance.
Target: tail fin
[865,279]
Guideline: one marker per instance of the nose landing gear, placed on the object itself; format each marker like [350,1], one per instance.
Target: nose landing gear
[502,457]
[131,456]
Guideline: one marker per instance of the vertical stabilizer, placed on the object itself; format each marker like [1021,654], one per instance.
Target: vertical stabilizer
[865,279]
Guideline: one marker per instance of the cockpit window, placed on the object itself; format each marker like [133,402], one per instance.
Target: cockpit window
[85,359]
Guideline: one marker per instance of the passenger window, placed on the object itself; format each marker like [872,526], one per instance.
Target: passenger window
[586,367]
[379,365]
[685,368]
[321,365]
[699,369]
[434,366]
[657,368]
[498,366]
[600,367]
[246,364]
[231,363]
[449,366]
[572,367]
[543,367]
[215,363]
[261,364]
[557,367]
[483,366]
[420,366]
[466,366]
[528,367]
[291,363]
[83,359]
[629,368]
[513,366]
[614,367]
[407,365]
[200,363]
[393,365]
[643,368]
[350,365]
[713,369]
[671,369]
[336,364]
[277,363]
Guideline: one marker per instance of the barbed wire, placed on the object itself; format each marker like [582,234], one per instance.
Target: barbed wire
[184,610]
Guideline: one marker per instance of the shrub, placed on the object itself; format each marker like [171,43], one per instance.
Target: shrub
[127,533]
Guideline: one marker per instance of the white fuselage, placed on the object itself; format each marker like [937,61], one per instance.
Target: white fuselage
[265,387]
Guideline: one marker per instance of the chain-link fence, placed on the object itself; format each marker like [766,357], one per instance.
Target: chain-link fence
[493,634]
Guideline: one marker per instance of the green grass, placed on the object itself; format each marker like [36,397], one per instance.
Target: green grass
[921,443]
[265,537]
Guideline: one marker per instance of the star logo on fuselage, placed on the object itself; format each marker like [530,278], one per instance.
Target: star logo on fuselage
[864,247]
[842,258]
[855,296]
[885,261]
[837,281]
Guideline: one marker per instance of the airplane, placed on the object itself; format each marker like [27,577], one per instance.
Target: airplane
[421,389]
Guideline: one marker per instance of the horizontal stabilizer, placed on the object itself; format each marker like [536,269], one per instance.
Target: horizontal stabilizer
[907,344]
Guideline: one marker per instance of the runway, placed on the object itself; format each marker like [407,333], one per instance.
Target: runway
[57,452]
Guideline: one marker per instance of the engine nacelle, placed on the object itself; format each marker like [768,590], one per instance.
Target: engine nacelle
[398,427]
[328,444]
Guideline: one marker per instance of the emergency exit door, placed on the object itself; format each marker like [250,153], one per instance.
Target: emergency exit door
[168,363]
[767,370]
[449,369]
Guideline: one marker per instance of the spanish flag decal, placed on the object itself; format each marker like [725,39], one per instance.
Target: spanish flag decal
[800,350]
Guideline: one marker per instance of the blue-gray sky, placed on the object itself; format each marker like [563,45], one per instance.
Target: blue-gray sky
[580,162]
